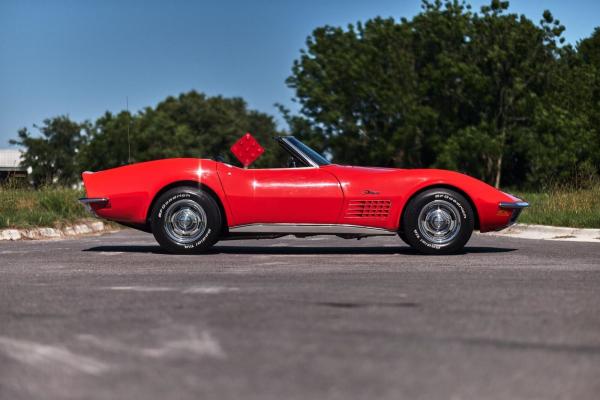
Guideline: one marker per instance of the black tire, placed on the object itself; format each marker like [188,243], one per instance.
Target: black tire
[186,220]
[438,221]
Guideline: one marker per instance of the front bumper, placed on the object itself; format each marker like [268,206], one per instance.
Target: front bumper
[95,203]
[515,207]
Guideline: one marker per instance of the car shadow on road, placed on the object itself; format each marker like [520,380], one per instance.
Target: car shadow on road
[294,250]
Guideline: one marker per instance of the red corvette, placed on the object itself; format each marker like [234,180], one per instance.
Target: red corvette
[190,204]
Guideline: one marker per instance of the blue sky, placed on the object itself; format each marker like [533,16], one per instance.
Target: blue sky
[83,57]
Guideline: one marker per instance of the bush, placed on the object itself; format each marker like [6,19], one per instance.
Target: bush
[563,206]
[24,208]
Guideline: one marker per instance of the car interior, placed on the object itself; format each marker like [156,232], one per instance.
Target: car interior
[285,155]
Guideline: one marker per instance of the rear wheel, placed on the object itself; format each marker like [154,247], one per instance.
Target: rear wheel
[438,221]
[186,220]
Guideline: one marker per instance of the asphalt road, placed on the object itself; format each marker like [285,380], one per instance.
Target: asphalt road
[111,317]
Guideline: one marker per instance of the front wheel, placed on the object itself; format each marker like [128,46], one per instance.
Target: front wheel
[438,221]
[186,220]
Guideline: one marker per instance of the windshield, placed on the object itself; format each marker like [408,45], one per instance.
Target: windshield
[310,153]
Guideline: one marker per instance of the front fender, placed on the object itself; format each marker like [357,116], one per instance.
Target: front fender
[486,199]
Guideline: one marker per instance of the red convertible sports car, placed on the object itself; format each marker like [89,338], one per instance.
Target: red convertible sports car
[189,204]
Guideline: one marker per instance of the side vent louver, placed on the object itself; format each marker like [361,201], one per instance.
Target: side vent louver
[368,209]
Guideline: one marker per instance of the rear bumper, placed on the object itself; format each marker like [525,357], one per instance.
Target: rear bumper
[95,203]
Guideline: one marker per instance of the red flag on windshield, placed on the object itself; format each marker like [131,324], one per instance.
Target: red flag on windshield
[247,149]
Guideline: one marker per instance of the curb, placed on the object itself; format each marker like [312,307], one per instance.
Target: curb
[80,229]
[544,232]
[523,231]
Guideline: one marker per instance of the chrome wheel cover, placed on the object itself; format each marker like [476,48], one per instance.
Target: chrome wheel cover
[439,222]
[185,221]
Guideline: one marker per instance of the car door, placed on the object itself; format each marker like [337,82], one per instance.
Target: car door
[281,195]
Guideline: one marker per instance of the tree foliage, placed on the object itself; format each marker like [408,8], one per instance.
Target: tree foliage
[190,125]
[489,93]
[52,156]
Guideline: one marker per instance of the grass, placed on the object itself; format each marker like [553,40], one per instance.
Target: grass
[55,207]
[563,207]
[51,207]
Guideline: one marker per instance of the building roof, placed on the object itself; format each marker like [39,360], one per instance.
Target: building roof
[10,159]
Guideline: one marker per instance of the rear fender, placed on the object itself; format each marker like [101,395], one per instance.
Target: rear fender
[132,189]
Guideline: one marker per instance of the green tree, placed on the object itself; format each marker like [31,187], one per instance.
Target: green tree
[589,51]
[589,48]
[356,88]
[562,143]
[108,141]
[446,76]
[514,58]
[52,156]
[480,92]
[190,125]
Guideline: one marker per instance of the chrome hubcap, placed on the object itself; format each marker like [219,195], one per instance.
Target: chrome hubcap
[439,222]
[185,221]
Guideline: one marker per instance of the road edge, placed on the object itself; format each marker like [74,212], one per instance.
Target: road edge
[81,228]
[545,232]
[523,231]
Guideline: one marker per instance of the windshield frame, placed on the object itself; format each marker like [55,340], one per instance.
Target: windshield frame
[305,152]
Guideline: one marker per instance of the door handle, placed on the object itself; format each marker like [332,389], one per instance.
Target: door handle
[369,191]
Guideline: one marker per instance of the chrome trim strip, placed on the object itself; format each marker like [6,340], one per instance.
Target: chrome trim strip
[90,200]
[514,205]
[301,154]
[319,229]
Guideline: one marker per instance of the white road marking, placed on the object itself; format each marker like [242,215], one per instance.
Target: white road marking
[188,290]
[142,288]
[203,345]
[190,343]
[272,263]
[111,253]
[209,289]
[13,252]
[104,344]
[45,356]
